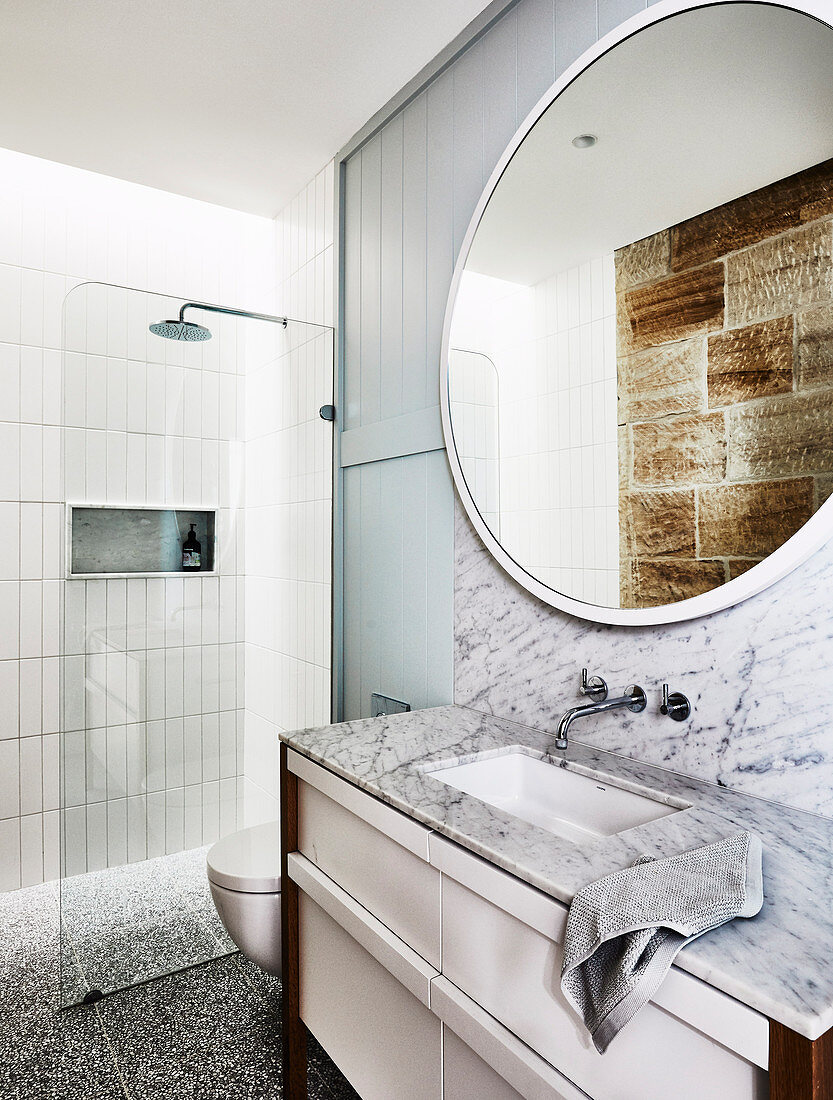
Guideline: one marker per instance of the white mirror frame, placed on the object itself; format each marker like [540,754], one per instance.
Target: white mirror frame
[792,553]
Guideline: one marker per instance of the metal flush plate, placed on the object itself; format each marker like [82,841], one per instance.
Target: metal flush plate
[383,704]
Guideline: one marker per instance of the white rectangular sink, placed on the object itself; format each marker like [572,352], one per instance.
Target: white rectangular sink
[574,804]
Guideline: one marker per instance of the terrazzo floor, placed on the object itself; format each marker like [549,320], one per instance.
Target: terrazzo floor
[210,1032]
[129,924]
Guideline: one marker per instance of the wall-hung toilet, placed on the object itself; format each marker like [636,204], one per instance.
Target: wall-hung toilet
[244,872]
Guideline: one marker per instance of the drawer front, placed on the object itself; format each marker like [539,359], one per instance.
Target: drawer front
[467,1077]
[475,1044]
[396,885]
[512,971]
[385,1042]
[400,960]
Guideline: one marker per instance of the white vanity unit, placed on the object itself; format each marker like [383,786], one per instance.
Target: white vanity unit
[426,971]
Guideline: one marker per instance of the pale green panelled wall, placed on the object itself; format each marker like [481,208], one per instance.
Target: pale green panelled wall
[408,195]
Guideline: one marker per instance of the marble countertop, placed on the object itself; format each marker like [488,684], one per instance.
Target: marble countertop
[777,962]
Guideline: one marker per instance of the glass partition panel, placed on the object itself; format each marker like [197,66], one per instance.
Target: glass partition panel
[153,661]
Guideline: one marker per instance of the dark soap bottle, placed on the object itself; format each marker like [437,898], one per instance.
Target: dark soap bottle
[191,551]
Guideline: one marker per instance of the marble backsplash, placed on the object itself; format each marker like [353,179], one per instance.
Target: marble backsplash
[759,676]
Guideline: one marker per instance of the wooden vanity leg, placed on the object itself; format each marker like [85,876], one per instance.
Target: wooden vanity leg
[799,1068]
[294,1032]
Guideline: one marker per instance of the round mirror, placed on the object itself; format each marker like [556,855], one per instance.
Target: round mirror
[638,350]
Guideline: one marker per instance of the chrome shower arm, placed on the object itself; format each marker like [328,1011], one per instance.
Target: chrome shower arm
[231,312]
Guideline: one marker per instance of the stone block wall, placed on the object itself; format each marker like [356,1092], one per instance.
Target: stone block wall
[725,387]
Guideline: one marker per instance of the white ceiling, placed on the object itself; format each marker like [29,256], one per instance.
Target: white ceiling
[689,114]
[237,102]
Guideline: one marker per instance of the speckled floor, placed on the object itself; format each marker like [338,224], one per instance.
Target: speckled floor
[211,1032]
[129,924]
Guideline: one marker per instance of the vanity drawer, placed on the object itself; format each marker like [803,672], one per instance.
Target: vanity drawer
[481,1058]
[378,855]
[392,953]
[383,1039]
[505,954]
[468,1077]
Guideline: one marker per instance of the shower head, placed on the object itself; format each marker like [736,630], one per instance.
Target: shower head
[180,330]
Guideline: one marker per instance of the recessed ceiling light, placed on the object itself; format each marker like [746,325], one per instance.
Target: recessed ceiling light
[585,141]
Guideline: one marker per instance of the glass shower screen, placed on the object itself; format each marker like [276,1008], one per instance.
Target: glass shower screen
[157,437]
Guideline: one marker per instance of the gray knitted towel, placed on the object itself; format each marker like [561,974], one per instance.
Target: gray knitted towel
[624,931]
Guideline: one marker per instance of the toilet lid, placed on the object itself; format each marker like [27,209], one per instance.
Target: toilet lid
[248,861]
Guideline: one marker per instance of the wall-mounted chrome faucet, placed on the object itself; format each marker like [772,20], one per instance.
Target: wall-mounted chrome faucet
[675,705]
[634,699]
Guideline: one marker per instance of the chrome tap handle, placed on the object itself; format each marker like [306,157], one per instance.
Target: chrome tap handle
[675,705]
[594,687]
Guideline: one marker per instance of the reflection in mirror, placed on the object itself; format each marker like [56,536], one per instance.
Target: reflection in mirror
[656,313]
[474,386]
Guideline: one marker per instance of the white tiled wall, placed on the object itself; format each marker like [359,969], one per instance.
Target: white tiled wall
[555,352]
[142,428]
[289,501]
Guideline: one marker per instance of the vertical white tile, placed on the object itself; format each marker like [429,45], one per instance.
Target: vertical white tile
[174,400]
[137,848]
[116,482]
[191,471]
[155,827]
[30,698]
[10,466]
[228,745]
[155,685]
[9,543]
[174,753]
[52,490]
[96,466]
[9,778]
[192,749]
[51,751]
[31,541]
[96,381]
[10,694]
[192,670]
[31,775]
[155,758]
[136,396]
[10,846]
[173,682]
[136,469]
[31,619]
[75,456]
[156,415]
[10,381]
[174,820]
[117,832]
[155,472]
[75,840]
[116,739]
[96,836]
[192,816]
[116,394]
[10,303]
[51,846]
[31,382]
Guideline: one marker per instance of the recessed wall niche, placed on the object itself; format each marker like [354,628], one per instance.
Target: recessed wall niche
[104,541]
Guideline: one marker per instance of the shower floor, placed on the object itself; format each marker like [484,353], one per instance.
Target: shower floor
[129,924]
[212,1031]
